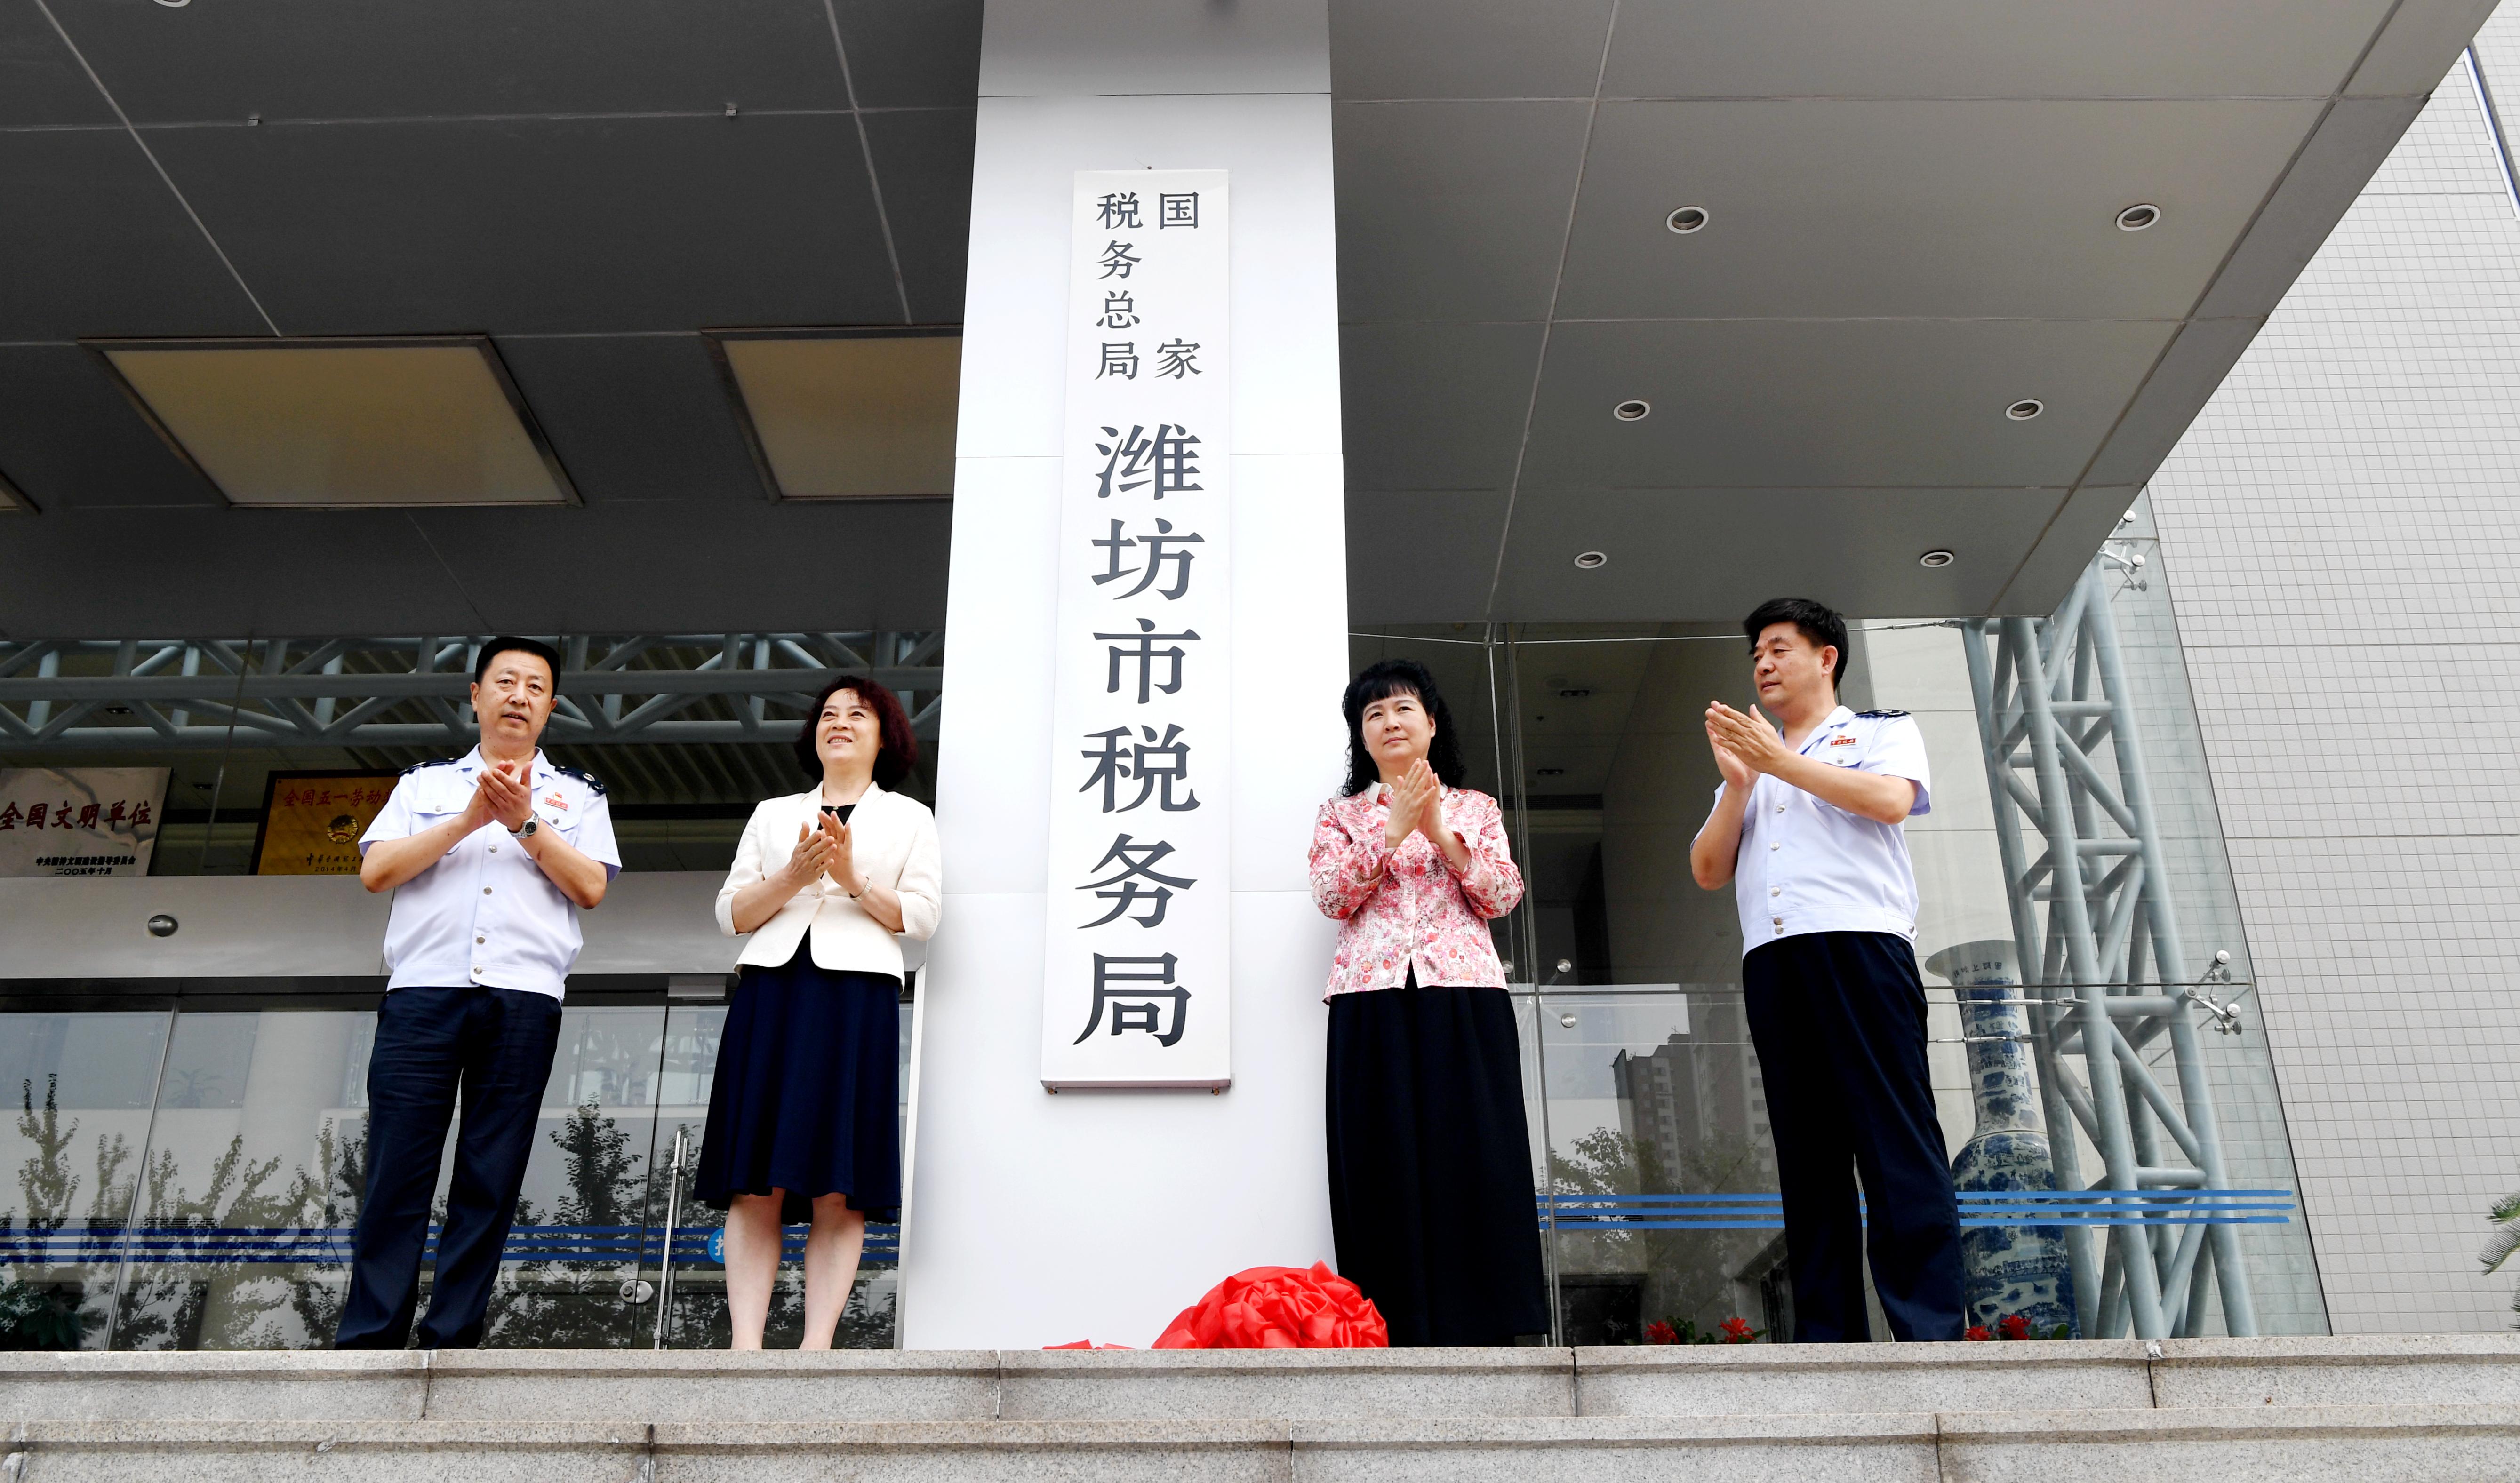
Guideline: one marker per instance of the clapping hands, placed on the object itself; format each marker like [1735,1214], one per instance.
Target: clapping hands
[1745,745]
[1417,807]
[822,849]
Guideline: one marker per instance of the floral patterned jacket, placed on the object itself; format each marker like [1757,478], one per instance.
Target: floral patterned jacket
[1407,907]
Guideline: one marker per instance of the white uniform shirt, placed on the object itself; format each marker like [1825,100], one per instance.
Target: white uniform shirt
[1811,867]
[485,913]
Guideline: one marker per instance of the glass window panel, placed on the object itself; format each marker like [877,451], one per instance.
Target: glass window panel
[81,1085]
[256,1163]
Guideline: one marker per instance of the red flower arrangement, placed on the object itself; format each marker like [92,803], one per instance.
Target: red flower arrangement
[2014,1325]
[1979,1334]
[1660,1332]
[1279,1308]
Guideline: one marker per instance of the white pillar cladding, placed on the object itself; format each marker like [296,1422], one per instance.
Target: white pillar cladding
[1037,1218]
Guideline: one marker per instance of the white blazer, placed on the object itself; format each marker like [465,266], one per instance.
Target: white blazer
[892,839]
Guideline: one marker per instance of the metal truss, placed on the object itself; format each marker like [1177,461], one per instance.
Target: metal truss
[2105,971]
[143,695]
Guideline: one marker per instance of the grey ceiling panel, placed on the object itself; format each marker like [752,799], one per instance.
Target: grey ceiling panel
[327,59]
[1453,210]
[40,80]
[2089,517]
[2423,41]
[1432,406]
[1417,557]
[913,53]
[206,574]
[73,441]
[1866,403]
[2356,134]
[99,245]
[635,417]
[647,567]
[924,161]
[1980,48]
[2197,361]
[1854,549]
[1818,208]
[1465,48]
[633,568]
[544,225]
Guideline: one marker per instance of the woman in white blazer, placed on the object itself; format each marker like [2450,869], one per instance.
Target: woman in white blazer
[803,1120]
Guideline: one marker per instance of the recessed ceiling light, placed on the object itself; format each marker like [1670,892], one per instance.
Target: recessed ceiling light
[1686,219]
[1631,410]
[1553,772]
[2025,409]
[1574,693]
[1935,559]
[1592,561]
[2136,219]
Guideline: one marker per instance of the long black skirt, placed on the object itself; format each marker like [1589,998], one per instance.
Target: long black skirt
[807,1096]
[1430,1165]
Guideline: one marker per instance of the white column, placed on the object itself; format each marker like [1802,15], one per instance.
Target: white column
[1038,1218]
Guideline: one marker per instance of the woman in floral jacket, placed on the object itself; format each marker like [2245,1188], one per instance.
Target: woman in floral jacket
[1430,1161]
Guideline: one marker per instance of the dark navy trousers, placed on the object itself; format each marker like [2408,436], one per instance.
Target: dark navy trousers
[491,1049]
[1839,1022]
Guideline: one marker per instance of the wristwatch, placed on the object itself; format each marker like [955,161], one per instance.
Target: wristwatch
[528,829]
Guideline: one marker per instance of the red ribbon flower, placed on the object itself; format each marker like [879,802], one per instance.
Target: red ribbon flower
[2015,1326]
[1279,1308]
[1979,1334]
[1737,1330]
[1661,1333]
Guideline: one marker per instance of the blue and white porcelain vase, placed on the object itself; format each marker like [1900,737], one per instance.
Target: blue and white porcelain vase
[2007,1269]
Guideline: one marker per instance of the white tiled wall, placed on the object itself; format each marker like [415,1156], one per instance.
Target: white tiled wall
[2341,534]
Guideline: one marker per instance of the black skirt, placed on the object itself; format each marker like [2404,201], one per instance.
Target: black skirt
[807,1095]
[1431,1199]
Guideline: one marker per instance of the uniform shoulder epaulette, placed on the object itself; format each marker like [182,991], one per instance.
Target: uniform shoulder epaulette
[431,762]
[1881,715]
[581,775]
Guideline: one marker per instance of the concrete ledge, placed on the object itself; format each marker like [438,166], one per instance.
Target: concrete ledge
[2403,1444]
[715,1385]
[1287,1383]
[1766,1379]
[2371,1370]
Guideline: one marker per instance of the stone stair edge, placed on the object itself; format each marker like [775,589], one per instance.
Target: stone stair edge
[410,1365]
[2219,1423]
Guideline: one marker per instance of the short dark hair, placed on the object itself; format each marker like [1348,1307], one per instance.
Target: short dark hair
[896,750]
[507,643]
[1380,682]
[1824,626]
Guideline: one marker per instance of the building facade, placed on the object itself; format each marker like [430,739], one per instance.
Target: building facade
[2182,536]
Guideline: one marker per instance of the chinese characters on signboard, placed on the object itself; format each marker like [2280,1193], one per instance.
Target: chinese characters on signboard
[311,821]
[89,821]
[1137,990]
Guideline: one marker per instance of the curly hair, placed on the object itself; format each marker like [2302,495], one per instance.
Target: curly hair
[897,750]
[1380,682]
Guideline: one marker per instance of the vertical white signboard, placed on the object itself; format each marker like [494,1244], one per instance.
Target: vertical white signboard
[1137,989]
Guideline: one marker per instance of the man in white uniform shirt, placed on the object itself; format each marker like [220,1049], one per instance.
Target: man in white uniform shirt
[490,856]
[1806,828]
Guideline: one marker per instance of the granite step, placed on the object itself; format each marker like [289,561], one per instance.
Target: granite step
[677,1387]
[2303,1444]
